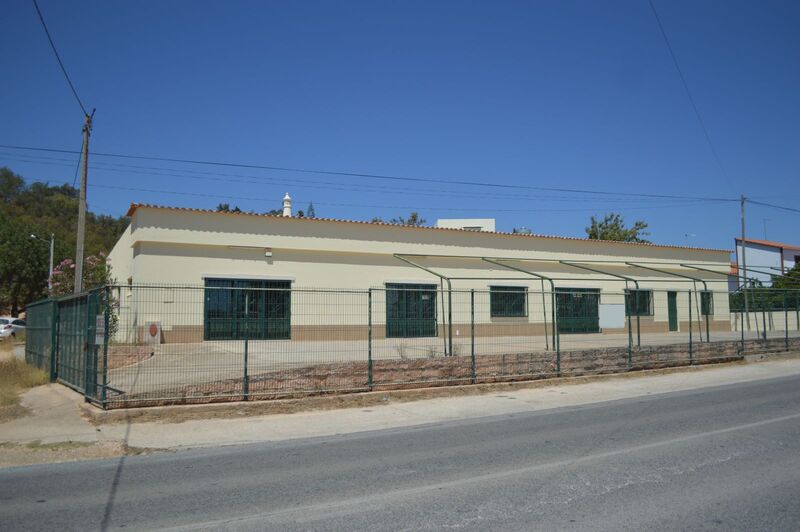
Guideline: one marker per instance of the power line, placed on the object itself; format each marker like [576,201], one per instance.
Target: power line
[688,92]
[77,167]
[58,57]
[383,177]
[260,180]
[369,206]
[789,209]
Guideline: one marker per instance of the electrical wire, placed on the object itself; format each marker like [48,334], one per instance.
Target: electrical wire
[366,206]
[58,57]
[382,177]
[78,166]
[688,92]
[260,180]
[788,209]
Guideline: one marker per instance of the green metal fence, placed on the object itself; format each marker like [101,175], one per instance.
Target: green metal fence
[61,339]
[223,341]
[40,329]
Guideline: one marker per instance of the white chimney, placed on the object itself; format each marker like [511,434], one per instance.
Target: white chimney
[287,205]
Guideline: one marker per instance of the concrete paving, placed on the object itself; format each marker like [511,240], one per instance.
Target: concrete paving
[55,417]
[706,458]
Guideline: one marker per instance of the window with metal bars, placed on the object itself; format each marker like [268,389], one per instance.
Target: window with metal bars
[639,303]
[508,301]
[707,303]
[247,308]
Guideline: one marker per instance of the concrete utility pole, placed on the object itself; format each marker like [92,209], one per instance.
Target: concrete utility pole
[87,127]
[744,265]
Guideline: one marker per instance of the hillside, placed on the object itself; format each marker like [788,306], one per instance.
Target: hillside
[41,209]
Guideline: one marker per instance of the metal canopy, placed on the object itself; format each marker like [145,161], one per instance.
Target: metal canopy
[579,264]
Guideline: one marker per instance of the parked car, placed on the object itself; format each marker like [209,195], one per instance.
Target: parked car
[9,327]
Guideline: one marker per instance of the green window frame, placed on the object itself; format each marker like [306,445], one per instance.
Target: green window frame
[707,303]
[639,303]
[508,301]
[257,309]
[411,310]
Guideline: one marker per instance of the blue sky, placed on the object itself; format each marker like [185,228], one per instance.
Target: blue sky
[566,94]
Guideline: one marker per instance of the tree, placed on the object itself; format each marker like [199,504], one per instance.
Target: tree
[310,212]
[23,265]
[10,185]
[41,209]
[96,273]
[414,220]
[612,227]
[225,207]
[789,281]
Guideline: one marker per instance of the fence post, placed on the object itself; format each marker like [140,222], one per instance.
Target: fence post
[691,355]
[709,306]
[90,353]
[556,332]
[106,312]
[741,326]
[786,320]
[54,341]
[630,331]
[450,317]
[245,376]
[369,338]
[473,368]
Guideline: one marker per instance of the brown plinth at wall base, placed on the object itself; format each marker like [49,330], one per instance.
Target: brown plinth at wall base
[648,325]
[440,371]
[498,327]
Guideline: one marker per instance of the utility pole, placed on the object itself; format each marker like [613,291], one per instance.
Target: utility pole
[744,266]
[87,127]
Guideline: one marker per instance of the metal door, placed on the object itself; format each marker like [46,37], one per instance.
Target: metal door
[672,307]
[578,310]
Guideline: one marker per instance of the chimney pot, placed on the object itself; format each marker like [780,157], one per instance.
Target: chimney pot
[287,205]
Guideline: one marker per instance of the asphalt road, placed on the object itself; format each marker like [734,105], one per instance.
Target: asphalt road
[723,458]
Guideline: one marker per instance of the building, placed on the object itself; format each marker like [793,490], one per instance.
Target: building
[468,224]
[421,278]
[765,258]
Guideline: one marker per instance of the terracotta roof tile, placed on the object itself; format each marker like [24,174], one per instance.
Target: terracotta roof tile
[135,206]
[769,243]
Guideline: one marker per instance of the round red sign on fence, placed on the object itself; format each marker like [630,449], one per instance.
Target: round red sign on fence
[153,329]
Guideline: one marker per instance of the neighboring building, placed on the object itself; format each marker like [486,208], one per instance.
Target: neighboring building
[411,269]
[766,258]
[467,224]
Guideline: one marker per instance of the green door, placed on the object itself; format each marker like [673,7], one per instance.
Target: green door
[410,310]
[578,310]
[241,308]
[672,307]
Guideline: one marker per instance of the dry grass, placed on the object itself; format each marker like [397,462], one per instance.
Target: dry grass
[19,454]
[16,376]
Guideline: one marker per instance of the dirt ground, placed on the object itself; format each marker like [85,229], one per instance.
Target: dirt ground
[13,454]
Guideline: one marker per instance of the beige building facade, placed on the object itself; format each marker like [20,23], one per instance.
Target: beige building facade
[422,279]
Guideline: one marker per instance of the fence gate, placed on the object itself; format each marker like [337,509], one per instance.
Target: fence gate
[77,362]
